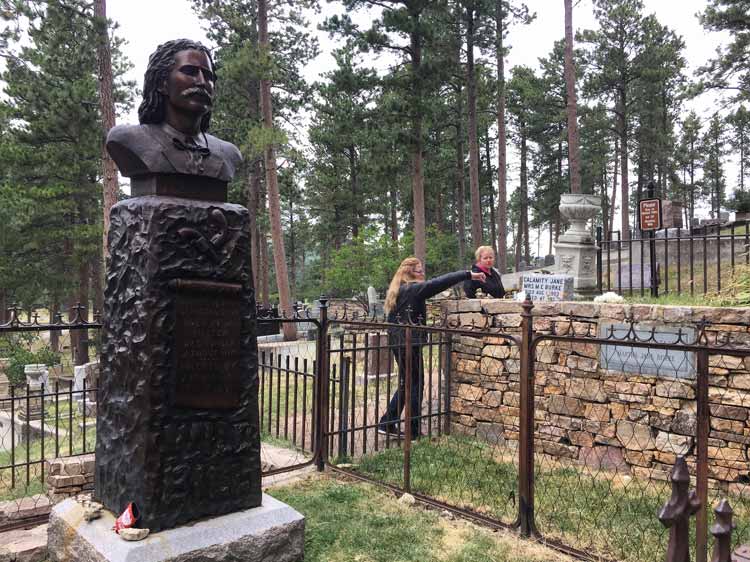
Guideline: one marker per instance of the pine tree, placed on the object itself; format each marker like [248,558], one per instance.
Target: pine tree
[713,148]
[614,51]
[739,141]
[506,13]
[52,146]
[401,19]
[689,162]
[729,70]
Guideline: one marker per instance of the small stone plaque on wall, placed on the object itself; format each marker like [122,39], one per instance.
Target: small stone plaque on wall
[667,363]
[207,344]
[542,288]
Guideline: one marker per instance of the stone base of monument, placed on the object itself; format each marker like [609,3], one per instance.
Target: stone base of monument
[577,258]
[273,532]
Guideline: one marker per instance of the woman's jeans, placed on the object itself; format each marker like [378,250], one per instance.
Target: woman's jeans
[391,417]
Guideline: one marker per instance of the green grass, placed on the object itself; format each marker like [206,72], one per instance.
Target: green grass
[668,299]
[348,522]
[68,444]
[600,512]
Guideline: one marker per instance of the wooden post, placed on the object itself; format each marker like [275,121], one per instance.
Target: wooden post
[676,513]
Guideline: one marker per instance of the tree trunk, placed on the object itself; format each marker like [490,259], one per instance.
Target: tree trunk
[394,215]
[107,110]
[460,186]
[420,242]
[253,204]
[502,192]
[523,227]
[292,250]
[97,279]
[572,108]
[54,335]
[490,190]
[692,184]
[625,196]
[353,179]
[471,99]
[79,344]
[265,267]
[272,185]
[613,202]
[4,318]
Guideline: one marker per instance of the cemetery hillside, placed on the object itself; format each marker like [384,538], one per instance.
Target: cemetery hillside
[374,280]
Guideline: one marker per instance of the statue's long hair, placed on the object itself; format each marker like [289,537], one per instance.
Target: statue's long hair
[153,108]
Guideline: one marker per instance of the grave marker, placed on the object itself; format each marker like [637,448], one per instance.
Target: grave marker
[623,275]
[541,288]
[665,363]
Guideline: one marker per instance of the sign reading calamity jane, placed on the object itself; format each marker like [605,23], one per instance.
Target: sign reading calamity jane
[667,363]
[543,288]
[207,344]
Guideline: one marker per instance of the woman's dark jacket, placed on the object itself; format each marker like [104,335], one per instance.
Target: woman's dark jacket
[411,307]
[492,286]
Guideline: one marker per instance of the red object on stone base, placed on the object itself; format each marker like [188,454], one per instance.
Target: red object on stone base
[127,519]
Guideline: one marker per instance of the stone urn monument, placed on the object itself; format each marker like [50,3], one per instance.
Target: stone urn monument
[4,383]
[178,432]
[576,248]
[36,376]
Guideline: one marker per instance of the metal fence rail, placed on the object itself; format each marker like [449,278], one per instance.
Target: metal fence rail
[498,433]
[49,418]
[520,474]
[688,261]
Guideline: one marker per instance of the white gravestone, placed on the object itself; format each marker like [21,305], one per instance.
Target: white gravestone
[90,374]
[32,407]
[541,288]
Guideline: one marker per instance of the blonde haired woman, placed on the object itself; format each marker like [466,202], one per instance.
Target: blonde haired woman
[405,304]
[493,285]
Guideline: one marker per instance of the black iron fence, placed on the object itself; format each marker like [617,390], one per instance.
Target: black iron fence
[45,412]
[530,437]
[512,425]
[688,261]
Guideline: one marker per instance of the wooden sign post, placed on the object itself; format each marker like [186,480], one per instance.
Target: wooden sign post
[649,218]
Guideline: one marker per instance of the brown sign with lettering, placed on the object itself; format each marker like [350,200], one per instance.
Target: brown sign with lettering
[207,344]
[650,214]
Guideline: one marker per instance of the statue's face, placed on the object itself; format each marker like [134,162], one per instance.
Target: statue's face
[190,84]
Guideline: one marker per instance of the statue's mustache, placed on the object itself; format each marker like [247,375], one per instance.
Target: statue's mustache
[196,90]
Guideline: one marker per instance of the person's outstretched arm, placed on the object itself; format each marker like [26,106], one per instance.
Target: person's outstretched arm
[432,287]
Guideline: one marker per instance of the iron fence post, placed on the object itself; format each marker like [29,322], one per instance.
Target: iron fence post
[408,366]
[652,252]
[525,521]
[321,394]
[701,483]
[447,378]
[344,407]
[722,532]
[599,259]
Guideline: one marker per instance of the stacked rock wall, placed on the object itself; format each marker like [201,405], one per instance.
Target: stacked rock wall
[70,476]
[631,422]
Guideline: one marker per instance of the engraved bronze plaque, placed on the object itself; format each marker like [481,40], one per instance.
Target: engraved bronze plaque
[207,344]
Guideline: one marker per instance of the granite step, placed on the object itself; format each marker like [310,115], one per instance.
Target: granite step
[24,545]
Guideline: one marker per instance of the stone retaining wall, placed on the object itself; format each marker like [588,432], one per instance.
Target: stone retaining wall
[634,423]
[69,476]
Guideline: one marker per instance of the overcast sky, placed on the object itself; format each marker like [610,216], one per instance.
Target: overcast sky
[146,23]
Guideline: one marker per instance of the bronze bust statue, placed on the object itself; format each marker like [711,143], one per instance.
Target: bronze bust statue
[170,152]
